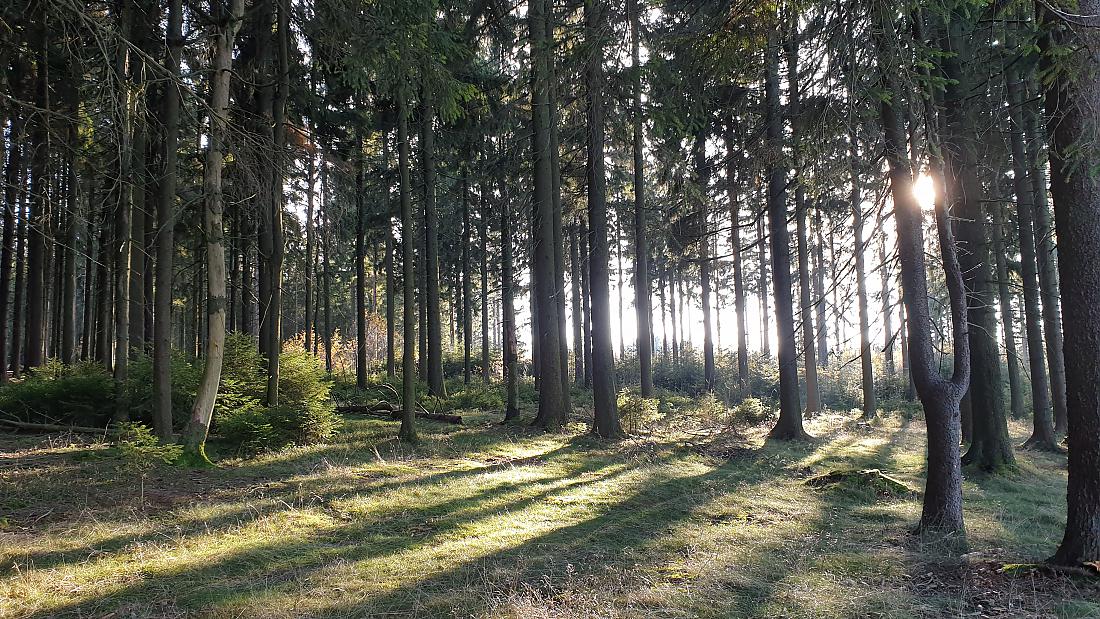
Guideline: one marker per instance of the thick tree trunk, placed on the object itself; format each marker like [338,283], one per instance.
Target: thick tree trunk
[194,436]
[1072,104]
[942,509]
[990,447]
[789,425]
[552,411]
[604,392]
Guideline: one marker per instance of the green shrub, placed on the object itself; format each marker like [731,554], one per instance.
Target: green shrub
[636,412]
[685,376]
[477,397]
[140,448]
[751,411]
[248,427]
[185,376]
[305,413]
[79,394]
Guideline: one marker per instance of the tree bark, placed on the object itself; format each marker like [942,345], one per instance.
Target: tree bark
[166,223]
[1072,104]
[738,269]
[870,407]
[360,269]
[407,432]
[433,361]
[194,435]
[642,302]
[12,179]
[604,392]
[789,425]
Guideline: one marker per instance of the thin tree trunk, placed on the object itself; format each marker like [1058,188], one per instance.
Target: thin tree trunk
[642,293]
[508,319]
[870,407]
[12,179]
[578,318]
[467,294]
[733,189]
[484,225]
[360,270]
[407,431]
[166,243]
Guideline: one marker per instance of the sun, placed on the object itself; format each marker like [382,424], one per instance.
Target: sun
[924,190]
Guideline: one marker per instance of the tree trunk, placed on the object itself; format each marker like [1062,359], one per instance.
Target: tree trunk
[1008,319]
[809,354]
[990,447]
[1047,270]
[762,287]
[604,392]
[484,229]
[789,425]
[166,243]
[586,306]
[407,431]
[702,178]
[552,412]
[870,407]
[942,509]
[275,269]
[1071,104]
[578,318]
[433,362]
[641,248]
[39,205]
[467,293]
[508,320]
[360,269]
[13,176]
[819,293]
[738,270]
[194,436]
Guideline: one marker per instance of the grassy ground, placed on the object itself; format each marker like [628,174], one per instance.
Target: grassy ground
[485,520]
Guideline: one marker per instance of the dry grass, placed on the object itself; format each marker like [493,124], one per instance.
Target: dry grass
[495,521]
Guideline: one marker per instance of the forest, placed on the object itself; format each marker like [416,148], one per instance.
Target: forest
[550,308]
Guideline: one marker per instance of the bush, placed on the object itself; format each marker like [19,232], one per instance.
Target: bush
[304,415]
[185,376]
[636,412]
[79,394]
[141,449]
[752,411]
[477,396]
[685,377]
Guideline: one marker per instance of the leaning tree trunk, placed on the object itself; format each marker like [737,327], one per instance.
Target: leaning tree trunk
[789,425]
[1072,104]
[604,394]
[194,435]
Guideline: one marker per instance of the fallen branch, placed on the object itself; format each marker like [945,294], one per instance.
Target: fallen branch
[50,427]
[881,483]
[383,409]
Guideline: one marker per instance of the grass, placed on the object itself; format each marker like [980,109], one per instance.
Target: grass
[486,520]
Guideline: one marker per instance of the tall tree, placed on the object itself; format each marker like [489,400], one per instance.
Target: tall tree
[225,30]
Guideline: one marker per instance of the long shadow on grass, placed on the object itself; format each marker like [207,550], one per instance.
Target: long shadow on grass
[321,494]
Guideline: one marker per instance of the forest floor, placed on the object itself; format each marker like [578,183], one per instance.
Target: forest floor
[486,520]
